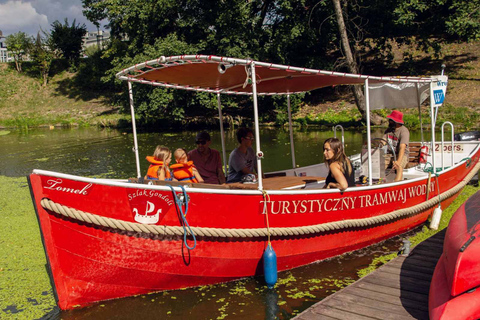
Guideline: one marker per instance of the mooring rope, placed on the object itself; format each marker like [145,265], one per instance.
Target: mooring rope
[257,232]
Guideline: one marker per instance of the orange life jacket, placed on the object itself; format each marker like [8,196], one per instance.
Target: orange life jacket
[152,172]
[184,172]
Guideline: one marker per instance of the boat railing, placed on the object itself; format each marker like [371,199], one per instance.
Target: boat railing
[335,133]
[452,143]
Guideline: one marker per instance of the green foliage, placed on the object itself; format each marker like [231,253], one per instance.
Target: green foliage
[90,71]
[18,45]
[457,18]
[68,39]
[42,53]
[91,50]
[463,117]
[349,117]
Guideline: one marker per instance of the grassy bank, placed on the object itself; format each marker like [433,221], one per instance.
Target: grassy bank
[25,103]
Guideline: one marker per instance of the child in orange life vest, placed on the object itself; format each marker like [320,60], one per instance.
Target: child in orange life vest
[159,162]
[184,170]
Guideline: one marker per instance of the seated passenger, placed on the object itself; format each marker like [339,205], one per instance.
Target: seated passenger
[242,160]
[184,170]
[207,160]
[159,162]
[341,174]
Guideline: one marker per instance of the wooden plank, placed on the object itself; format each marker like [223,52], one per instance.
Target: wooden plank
[382,306]
[435,256]
[434,244]
[310,315]
[391,299]
[400,279]
[404,284]
[341,303]
[408,273]
[412,267]
[419,261]
[337,313]
[421,297]
[428,252]
[432,260]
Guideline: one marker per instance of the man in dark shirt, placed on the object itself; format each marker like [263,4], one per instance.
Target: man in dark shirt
[206,160]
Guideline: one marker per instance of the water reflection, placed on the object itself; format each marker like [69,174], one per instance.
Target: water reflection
[108,153]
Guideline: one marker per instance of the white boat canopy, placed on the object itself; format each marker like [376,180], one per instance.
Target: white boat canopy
[231,76]
[223,75]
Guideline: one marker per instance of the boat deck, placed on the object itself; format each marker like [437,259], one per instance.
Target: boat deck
[272,183]
[398,290]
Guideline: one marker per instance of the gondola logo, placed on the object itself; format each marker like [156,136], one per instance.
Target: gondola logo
[148,206]
[148,217]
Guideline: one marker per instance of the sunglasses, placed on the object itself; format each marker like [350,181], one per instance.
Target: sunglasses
[201,142]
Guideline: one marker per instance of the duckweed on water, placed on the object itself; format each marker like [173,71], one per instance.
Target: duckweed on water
[377,262]
[25,289]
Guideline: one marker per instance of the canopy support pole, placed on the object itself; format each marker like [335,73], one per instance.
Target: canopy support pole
[420,113]
[222,134]
[290,128]
[259,153]
[369,147]
[134,127]
[432,119]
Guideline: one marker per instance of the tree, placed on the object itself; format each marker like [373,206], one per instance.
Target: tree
[351,63]
[42,54]
[18,45]
[68,39]
[294,32]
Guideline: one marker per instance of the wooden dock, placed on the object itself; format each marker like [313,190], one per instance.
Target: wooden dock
[398,290]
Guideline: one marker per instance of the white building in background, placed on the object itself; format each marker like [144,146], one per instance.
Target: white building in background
[3,49]
[98,38]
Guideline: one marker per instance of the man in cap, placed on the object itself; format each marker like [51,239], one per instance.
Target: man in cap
[206,160]
[398,136]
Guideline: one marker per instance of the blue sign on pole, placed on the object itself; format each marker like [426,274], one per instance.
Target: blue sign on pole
[438,96]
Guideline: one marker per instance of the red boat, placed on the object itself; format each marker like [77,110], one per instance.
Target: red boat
[107,239]
[454,288]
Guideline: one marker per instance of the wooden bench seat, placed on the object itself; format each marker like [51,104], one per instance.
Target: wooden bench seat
[273,183]
[414,155]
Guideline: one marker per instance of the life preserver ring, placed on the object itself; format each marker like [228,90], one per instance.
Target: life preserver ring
[184,172]
[155,164]
[423,156]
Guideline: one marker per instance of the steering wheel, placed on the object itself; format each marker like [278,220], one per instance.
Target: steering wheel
[378,143]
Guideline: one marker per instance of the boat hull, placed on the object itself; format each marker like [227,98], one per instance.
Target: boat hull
[90,263]
[454,290]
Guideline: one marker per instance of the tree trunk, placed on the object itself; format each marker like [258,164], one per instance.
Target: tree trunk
[352,64]
[18,64]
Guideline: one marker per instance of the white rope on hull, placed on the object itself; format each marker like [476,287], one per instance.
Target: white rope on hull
[256,232]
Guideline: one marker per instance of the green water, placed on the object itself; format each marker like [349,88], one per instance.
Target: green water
[108,153]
